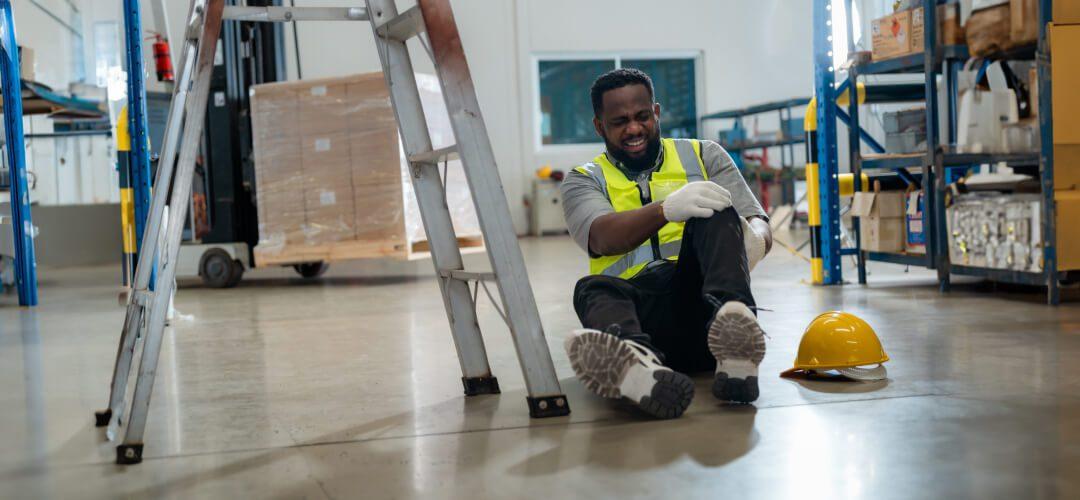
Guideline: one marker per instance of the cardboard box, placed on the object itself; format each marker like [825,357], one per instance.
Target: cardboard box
[1023,22]
[1066,167]
[1068,238]
[27,63]
[987,31]
[881,216]
[330,177]
[1066,12]
[952,30]
[888,34]
[891,35]
[914,236]
[1064,54]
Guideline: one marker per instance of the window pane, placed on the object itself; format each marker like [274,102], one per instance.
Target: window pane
[675,91]
[565,106]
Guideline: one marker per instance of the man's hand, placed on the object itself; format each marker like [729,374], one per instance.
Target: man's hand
[696,199]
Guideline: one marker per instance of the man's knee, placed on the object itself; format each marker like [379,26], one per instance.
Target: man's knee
[598,283]
[724,220]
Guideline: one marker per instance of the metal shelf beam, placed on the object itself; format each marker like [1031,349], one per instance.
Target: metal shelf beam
[904,259]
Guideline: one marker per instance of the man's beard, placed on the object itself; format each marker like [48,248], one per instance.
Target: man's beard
[645,162]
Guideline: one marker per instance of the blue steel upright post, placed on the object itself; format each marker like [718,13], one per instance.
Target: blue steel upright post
[1046,158]
[824,90]
[25,263]
[137,125]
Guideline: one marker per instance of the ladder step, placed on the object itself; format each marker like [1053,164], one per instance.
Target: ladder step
[403,27]
[288,14]
[142,297]
[449,152]
[455,274]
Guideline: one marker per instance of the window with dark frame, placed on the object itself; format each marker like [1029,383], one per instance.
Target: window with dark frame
[566,109]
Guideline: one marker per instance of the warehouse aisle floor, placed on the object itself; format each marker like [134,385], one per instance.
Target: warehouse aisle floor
[348,387]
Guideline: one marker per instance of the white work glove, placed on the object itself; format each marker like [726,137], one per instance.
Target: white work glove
[696,199]
[755,243]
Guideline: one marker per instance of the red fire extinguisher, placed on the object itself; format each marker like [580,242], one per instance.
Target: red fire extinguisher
[162,59]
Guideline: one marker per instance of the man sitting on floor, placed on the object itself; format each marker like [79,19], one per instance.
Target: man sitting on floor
[672,231]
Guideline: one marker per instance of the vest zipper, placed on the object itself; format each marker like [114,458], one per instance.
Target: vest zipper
[655,239]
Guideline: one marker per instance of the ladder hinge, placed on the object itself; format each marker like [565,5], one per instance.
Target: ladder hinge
[142,298]
[403,27]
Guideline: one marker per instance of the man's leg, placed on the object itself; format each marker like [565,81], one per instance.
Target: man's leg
[717,257]
[611,305]
[714,277]
[613,357]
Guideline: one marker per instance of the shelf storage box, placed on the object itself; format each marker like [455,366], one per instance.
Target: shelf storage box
[998,231]
[331,181]
[882,217]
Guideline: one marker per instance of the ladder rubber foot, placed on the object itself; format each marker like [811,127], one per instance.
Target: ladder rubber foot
[548,406]
[480,385]
[102,418]
[129,454]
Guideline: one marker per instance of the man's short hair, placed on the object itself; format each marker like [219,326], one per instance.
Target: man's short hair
[617,78]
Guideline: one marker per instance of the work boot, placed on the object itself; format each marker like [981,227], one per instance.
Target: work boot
[738,344]
[615,368]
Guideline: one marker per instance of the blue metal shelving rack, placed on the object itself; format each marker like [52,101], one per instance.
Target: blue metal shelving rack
[25,262]
[939,165]
[141,174]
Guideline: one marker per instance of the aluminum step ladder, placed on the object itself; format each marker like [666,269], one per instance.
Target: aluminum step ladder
[433,21]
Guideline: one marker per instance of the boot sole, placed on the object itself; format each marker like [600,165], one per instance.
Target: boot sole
[601,361]
[738,344]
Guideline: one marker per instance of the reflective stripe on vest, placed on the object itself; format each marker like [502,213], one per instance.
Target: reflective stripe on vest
[624,195]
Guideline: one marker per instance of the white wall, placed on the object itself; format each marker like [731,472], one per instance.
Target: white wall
[751,52]
[70,170]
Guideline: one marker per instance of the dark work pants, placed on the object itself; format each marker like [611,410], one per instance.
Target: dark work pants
[664,306]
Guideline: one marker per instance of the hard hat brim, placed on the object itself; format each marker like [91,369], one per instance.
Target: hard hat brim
[854,373]
[865,374]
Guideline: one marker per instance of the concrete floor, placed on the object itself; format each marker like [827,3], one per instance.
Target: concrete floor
[348,387]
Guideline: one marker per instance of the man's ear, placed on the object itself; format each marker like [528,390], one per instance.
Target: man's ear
[599,127]
[656,110]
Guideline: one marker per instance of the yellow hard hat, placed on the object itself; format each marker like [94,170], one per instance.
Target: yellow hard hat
[843,342]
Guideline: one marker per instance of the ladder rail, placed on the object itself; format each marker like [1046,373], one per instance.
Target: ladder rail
[194,116]
[492,209]
[430,196]
[148,308]
[137,307]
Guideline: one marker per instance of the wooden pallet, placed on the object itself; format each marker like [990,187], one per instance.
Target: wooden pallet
[356,250]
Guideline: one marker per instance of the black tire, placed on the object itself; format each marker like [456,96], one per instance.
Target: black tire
[238,273]
[311,269]
[218,269]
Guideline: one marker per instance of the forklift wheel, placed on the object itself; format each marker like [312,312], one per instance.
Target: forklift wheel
[219,270]
[311,269]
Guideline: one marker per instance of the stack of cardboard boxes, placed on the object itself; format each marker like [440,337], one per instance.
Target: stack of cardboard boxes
[901,33]
[1065,99]
[330,180]
[890,221]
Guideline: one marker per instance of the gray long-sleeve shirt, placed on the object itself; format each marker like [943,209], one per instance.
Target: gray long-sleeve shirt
[584,199]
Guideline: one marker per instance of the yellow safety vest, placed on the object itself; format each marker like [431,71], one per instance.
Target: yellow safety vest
[682,164]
